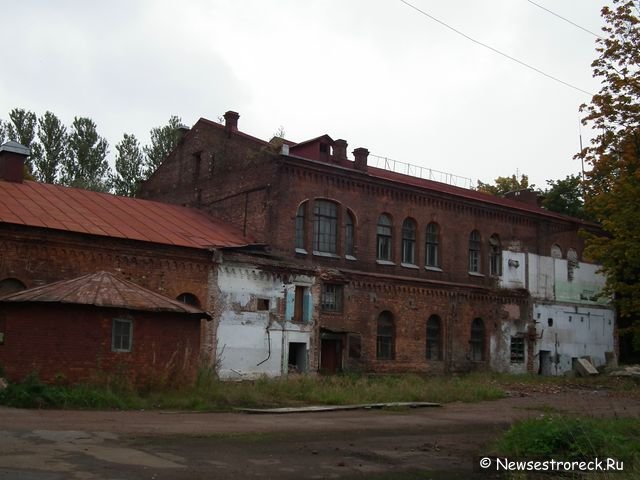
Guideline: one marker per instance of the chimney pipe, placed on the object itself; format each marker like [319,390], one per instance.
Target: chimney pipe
[12,157]
[360,155]
[231,121]
[339,150]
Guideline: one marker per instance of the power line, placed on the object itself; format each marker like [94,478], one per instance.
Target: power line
[513,59]
[565,19]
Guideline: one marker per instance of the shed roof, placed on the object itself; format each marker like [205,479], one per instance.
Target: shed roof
[103,289]
[82,211]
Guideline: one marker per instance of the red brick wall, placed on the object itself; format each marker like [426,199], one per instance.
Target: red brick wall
[73,343]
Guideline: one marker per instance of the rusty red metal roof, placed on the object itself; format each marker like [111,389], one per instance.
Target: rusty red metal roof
[82,211]
[103,289]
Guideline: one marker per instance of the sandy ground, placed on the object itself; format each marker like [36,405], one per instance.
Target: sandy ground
[438,443]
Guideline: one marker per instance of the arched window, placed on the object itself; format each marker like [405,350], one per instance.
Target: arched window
[325,226]
[556,251]
[432,254]
[477,340]
[474,252]
[409,241]
[349,234]
[495,255]
[11,285]
[300,223]
[385,340]
[189,299]
[434,338]
[384,238]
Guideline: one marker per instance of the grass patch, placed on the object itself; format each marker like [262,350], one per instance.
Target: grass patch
[569,438]
[210,394]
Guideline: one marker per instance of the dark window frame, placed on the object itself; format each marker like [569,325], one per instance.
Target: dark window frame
[477,340]
[434,338]
[432,246]
[409,235]
[495,256]
[384,236]
[325,226]
[475,247]
[385,337]
[332,298]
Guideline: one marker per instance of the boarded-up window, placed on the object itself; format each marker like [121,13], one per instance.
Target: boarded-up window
[355,346]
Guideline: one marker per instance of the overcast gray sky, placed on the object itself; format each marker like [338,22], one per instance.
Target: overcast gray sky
[374,72]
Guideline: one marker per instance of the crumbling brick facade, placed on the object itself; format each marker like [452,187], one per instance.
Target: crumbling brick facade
[276,191]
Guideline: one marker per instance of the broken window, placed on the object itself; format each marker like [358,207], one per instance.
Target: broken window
[434,338]
[517,349]
[300,223]
[474,252]
[332,297]
[495,256]
[349,231]
[385,341]
[189,299]
[384,238]
[409,241]
[476,341]
[325,226]
[263,304]
[432,245]
[355,346]
[121,335]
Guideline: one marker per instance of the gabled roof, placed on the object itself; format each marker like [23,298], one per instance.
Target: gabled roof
[103,289]
[75,210]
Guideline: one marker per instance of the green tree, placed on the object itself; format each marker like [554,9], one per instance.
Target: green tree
[22,129]
[613,184]
[52,135]
[86,165]
[163,141]
[129,166]
[503,185]
[565,196]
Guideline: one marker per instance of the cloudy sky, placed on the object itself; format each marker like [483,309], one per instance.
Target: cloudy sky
[377,73]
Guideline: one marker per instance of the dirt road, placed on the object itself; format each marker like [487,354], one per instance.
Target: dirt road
[438,443]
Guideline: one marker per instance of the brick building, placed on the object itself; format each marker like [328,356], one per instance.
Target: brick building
[98,326]
[403,273]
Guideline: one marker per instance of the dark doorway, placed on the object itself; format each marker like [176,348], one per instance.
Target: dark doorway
[331,355]
[545,363]
[297,357]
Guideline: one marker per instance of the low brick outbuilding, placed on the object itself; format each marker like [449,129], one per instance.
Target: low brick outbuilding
[96,327]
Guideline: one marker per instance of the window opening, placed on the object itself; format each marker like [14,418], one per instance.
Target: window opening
[495,256]
[384,238]
[332,295]
[517,349]
[385,337]
[432,254]
[474,252]
[121,335]
[434,338]
[325,226]
[477,340]
[409,241]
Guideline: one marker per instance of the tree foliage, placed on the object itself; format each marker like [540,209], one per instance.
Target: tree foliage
[613,184]
[163,141]
[22,129]
[129,166]
[504,185]
[565,196]
[86,165]
[52,135]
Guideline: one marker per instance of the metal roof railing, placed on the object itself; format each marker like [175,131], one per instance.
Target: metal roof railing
[420,172]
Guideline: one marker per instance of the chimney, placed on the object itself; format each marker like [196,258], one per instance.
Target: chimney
[360,162]
[339,150]
[530,197]
[12,157]
[182,130]
[231,121]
